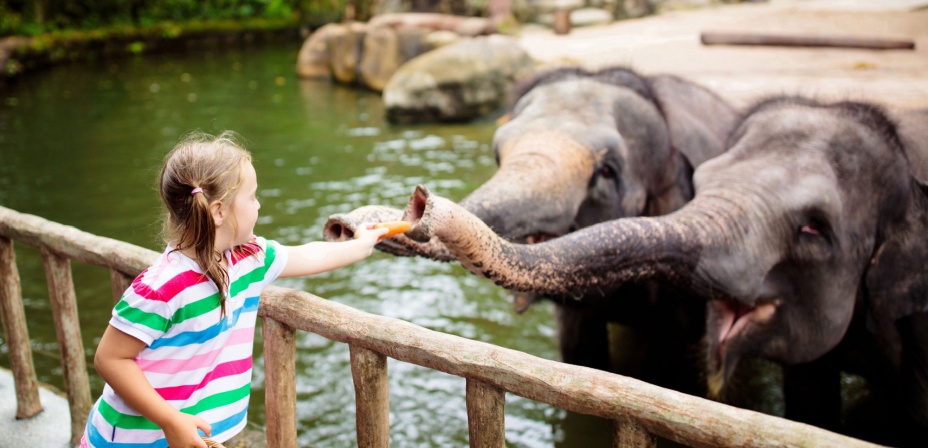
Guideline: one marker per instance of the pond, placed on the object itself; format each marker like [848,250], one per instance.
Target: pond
[81,144]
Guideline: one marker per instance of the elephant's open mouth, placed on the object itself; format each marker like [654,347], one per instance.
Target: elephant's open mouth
[734,319]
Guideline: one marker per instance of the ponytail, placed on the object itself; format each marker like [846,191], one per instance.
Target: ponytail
[200,171]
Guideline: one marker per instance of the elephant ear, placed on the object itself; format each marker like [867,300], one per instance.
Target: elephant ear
[699,120]
[895,281]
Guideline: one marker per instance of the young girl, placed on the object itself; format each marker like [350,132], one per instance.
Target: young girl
[176,356]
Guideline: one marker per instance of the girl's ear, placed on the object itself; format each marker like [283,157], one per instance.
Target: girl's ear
[218,212]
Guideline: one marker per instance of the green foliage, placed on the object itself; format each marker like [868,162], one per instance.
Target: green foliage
[136,47]
[319,12]
[34,17]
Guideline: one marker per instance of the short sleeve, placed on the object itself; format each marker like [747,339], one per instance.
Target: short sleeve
[141,313]
[275,258]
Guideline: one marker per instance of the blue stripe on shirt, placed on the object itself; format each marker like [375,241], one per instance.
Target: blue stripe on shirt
[199,337]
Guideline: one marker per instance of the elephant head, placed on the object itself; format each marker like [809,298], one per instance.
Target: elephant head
[584,147]
[813,218]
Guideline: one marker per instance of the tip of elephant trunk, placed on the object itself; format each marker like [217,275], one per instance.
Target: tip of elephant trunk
[416,209]
[336,229]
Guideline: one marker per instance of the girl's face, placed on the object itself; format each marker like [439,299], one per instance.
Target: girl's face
[244,209]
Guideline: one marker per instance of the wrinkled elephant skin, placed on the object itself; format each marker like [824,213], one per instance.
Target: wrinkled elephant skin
[806,240]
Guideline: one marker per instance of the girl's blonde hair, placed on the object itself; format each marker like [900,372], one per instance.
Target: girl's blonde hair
[212,164]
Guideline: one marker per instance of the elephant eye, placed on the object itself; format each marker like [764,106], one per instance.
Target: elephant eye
[811,229]
[606,172]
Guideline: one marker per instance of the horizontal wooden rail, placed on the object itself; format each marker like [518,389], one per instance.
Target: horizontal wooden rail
[639,409]
[676,416]
[69,242]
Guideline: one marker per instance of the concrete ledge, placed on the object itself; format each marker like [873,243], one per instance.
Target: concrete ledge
[50,428]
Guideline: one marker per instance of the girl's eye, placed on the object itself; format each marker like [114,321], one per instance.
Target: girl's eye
[812,229]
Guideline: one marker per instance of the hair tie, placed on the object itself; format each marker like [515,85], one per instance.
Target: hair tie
[195,191]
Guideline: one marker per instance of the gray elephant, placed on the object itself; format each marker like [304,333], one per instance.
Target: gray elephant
[581,148]
[806,242]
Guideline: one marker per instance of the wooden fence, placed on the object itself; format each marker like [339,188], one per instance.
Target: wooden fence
[640,411]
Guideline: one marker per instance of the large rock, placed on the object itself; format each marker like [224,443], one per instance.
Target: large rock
[345,49]
[366,53]
[386,49]
[313,59]
[458,82]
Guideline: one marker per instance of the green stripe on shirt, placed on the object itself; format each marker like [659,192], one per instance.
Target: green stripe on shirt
[257,275]
[135,315]
[195,309]
[126,421]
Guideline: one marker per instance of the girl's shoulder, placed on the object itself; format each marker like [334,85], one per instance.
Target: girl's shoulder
[260,256]
[259,250]
[167,267]
[253,248]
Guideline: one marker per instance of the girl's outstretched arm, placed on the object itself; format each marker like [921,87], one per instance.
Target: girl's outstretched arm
[114,362]
[321,256]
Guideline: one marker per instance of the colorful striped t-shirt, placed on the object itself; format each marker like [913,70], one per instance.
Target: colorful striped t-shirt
[200,363]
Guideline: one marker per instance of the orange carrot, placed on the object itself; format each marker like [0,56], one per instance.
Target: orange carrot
[395,227]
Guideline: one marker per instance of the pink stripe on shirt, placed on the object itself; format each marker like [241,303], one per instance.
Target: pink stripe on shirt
[169,289]
[223,370]
[242,336]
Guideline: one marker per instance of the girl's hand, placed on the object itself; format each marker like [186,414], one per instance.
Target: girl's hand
[181,431]
[370,234]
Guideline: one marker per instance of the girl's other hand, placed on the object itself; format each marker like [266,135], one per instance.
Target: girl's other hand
[181,432]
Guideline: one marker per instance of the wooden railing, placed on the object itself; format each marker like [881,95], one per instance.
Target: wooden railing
[640,411]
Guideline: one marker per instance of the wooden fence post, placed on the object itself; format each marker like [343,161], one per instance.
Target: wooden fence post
[629,434]
[485,416]
[371,396]
[119,283]
[13,315]
[68,331]
[279,383]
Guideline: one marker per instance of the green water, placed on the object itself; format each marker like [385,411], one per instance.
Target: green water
[81,145]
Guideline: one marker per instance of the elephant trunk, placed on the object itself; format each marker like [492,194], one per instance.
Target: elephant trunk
[603,255]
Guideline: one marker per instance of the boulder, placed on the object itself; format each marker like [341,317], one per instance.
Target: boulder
[385,49]
[380,57]
[345,48]
[313,59]
[365,53]
[458,82]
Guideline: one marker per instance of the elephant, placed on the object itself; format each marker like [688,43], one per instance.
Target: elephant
[805,242]
[579,148]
